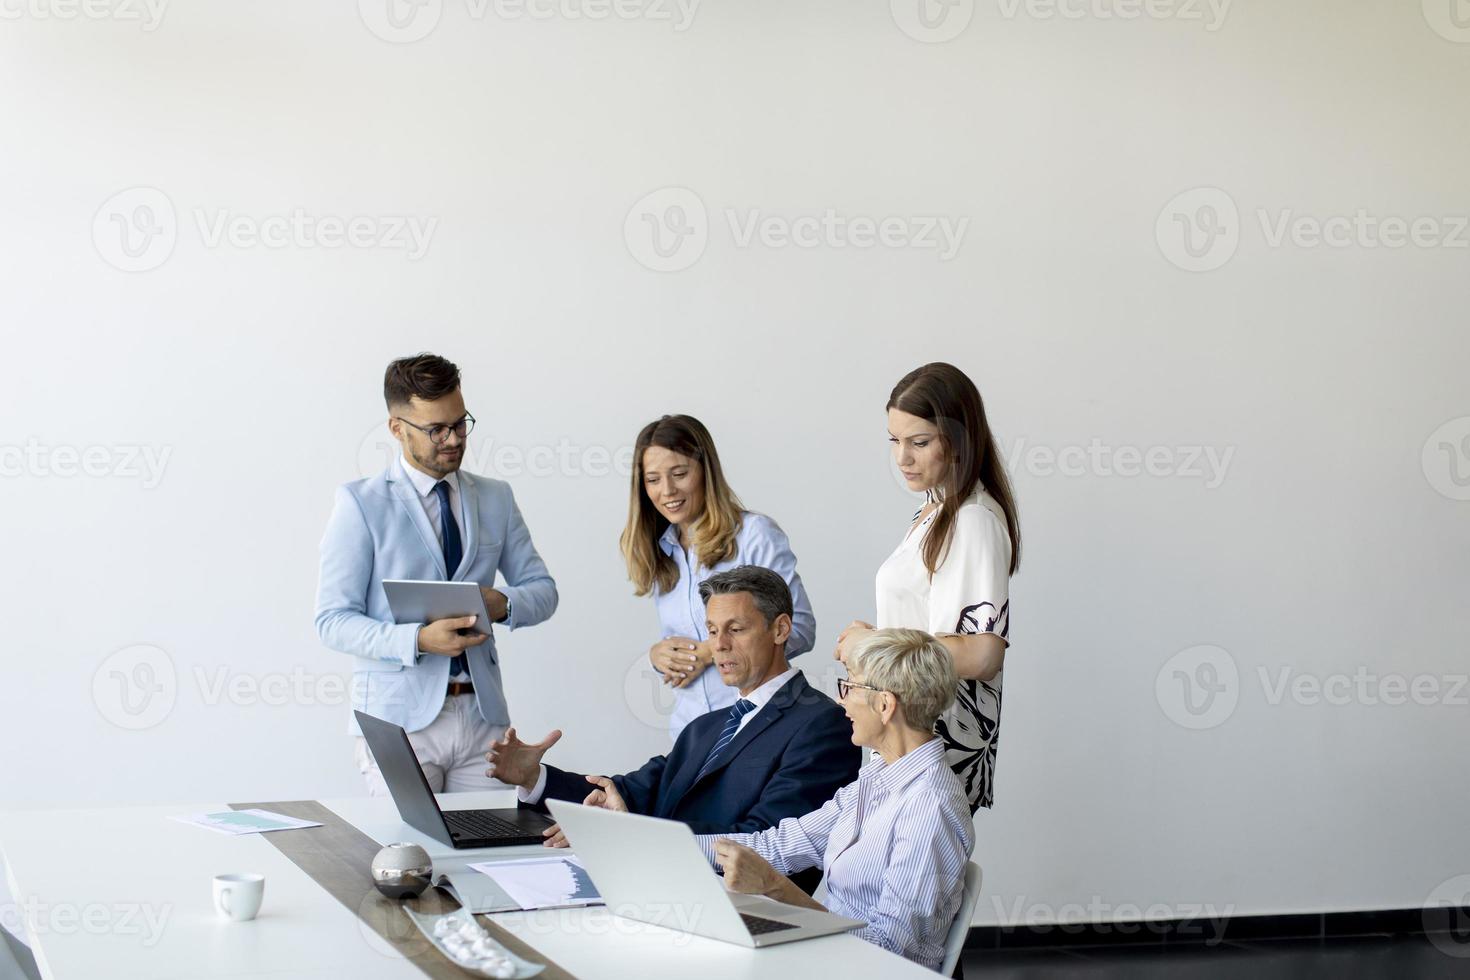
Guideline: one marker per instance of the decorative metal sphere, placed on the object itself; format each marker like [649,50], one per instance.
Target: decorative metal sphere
[402,870]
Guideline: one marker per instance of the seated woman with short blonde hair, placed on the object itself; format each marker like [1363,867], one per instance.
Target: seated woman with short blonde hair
[894,844]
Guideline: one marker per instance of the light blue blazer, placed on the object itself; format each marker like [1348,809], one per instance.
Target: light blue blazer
[378,530]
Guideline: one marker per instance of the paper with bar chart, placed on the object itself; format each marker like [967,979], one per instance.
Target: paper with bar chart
[236,822]
[542,883]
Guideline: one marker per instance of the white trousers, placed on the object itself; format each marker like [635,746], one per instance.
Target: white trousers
[451,751]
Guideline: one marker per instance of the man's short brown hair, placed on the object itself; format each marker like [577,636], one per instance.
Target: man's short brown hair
[427,376]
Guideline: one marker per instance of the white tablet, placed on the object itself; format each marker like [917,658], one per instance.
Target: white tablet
[425,602]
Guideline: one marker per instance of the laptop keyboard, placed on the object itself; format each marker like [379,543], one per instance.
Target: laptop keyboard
[478,823]
[759,926]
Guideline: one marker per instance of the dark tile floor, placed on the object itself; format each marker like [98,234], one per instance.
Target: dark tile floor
[1406,957]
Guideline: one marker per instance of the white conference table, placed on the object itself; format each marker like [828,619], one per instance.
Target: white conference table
[124,893]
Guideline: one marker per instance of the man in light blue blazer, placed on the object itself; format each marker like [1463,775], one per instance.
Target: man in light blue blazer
[422,518]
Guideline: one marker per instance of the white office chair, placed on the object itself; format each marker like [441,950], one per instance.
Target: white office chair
[954,941]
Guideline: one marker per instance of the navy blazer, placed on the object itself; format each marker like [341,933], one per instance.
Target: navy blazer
[788,760]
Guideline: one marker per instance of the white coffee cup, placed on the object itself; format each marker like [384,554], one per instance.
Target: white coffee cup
[237,896]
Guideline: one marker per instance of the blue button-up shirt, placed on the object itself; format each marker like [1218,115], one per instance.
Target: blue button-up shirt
[760,541]
[894,845]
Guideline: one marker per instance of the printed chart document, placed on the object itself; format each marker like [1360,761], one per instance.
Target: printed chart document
[543,883]
[244,821]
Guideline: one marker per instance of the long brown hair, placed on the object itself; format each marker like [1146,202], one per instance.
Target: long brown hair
[945,397]
[713,532]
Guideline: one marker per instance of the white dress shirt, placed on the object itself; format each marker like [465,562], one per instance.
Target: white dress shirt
[968,593]
[760,697]
[423,485]
[894,845]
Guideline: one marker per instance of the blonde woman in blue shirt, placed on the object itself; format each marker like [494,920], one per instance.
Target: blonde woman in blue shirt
[684,525]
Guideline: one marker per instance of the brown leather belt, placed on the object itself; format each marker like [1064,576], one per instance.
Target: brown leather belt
[457,688]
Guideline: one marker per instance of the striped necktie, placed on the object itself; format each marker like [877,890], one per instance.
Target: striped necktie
[738,710]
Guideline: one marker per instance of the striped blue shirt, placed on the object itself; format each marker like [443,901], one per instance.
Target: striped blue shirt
[894,845]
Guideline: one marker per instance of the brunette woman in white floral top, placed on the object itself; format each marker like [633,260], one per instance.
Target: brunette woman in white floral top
[950,574]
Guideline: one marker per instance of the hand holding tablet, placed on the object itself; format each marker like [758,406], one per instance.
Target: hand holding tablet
[453,614]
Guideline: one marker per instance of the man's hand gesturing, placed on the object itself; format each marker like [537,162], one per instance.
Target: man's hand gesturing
[518,763]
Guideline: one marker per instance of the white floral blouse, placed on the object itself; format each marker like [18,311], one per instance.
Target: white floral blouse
[969,593]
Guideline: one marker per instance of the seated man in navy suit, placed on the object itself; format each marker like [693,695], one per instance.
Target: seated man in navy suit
[782,750]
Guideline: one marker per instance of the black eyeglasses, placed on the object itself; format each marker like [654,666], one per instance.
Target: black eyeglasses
[844,685]
[440,432]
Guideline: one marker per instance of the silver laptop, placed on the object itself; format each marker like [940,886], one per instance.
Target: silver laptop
[653,871]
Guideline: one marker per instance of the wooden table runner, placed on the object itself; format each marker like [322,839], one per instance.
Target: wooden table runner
[339,858]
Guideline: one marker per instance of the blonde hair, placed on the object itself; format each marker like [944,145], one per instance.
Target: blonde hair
[712,532]
[912,666]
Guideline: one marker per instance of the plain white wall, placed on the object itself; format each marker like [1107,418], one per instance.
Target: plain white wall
[1330,539]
